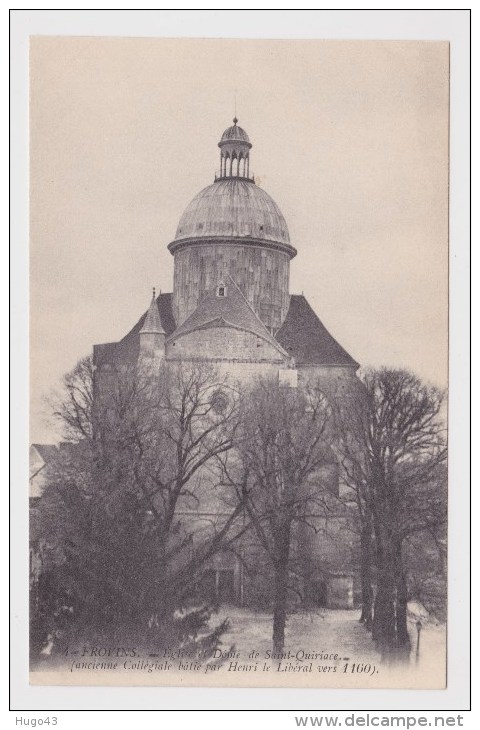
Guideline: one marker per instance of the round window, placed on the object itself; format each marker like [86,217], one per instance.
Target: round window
[219,402]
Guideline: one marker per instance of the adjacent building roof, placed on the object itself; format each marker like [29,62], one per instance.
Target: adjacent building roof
[47,452]
[306,339]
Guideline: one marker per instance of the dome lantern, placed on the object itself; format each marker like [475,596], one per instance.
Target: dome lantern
[235,149]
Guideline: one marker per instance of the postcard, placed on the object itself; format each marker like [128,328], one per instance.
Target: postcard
[239,362]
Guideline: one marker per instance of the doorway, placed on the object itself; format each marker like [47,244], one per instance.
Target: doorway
[320,594]
[219,584]
[225,586]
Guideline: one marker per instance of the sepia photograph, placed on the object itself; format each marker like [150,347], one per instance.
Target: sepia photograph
[238,362]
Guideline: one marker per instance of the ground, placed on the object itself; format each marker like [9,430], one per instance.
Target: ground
[336,632]
[323,630]
[323,648]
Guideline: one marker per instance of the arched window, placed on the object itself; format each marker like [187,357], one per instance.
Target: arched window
[221,290]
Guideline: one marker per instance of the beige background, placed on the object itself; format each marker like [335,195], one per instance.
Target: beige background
[350,139]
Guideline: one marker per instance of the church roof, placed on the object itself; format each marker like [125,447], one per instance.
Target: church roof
[128,347]
[152,323]
[233,208]
[229,310]
[302,335]
[306,339]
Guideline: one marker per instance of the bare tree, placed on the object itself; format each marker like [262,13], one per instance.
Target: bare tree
[123,498]
[393,444]
[72,406]
[285,444]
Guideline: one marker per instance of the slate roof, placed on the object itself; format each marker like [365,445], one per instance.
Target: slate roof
[128,347]
[49,452]
[233,208]
[232,309]
[46,451]
[153,324]
[302,335]
[306,339]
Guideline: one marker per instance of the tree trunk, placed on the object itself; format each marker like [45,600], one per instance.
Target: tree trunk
[403,639]
[281,586]
[366,576]
[390,611]
[280,606]
[383,627]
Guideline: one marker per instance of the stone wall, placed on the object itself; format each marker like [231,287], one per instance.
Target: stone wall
[262,274]
[335,381]
[222,343]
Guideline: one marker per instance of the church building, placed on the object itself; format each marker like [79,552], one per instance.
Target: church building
[231,306]
[231,303]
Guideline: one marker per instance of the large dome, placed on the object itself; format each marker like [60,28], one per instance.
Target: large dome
[233,208]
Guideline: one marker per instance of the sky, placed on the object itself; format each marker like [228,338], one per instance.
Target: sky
[350,138]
